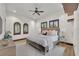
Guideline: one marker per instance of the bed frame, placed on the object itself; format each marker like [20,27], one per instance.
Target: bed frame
[41,48]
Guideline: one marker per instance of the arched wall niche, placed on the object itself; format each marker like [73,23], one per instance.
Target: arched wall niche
[17,28]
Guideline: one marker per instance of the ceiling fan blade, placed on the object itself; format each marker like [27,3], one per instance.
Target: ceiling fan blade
[33,13]
[38,13]
[41,11]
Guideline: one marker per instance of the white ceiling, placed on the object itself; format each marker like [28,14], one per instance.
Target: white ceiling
[22,10]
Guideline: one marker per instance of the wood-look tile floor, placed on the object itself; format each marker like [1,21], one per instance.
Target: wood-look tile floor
[9,50]
[69,51]
[20,42]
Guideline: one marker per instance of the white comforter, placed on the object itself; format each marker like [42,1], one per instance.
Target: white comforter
[43,40]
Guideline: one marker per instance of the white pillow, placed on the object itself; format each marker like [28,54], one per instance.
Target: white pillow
[52,32]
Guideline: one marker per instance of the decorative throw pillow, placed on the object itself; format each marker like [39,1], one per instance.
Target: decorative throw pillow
[52,32]
[44,32]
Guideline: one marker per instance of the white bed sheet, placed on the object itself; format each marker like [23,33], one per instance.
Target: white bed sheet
[51,40]
[43,40]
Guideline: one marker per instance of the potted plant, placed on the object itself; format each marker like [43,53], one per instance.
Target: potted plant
[6,38]
[7,35]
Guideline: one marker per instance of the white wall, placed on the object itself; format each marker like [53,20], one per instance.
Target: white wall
[3,15]
[76,32]
[67,27]
[10,20]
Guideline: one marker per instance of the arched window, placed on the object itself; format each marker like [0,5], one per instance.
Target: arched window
[0,25]
[17,28]
[25,28]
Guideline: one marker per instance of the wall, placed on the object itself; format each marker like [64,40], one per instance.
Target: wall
[76,32]
[3,15]
[10,20]
[67,28]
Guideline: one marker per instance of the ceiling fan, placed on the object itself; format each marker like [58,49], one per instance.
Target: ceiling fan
[36,11]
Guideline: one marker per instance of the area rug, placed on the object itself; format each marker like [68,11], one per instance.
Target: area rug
[28,50]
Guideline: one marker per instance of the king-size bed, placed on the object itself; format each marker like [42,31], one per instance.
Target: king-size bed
[43,42]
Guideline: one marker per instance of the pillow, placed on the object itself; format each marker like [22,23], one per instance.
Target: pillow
[52,32]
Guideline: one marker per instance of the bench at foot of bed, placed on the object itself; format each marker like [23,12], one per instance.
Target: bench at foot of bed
[38,46]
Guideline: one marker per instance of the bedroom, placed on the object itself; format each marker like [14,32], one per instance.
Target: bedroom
[21,21]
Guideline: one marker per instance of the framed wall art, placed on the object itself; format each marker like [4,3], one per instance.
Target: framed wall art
[54,23]
[43,25]
[51,24]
